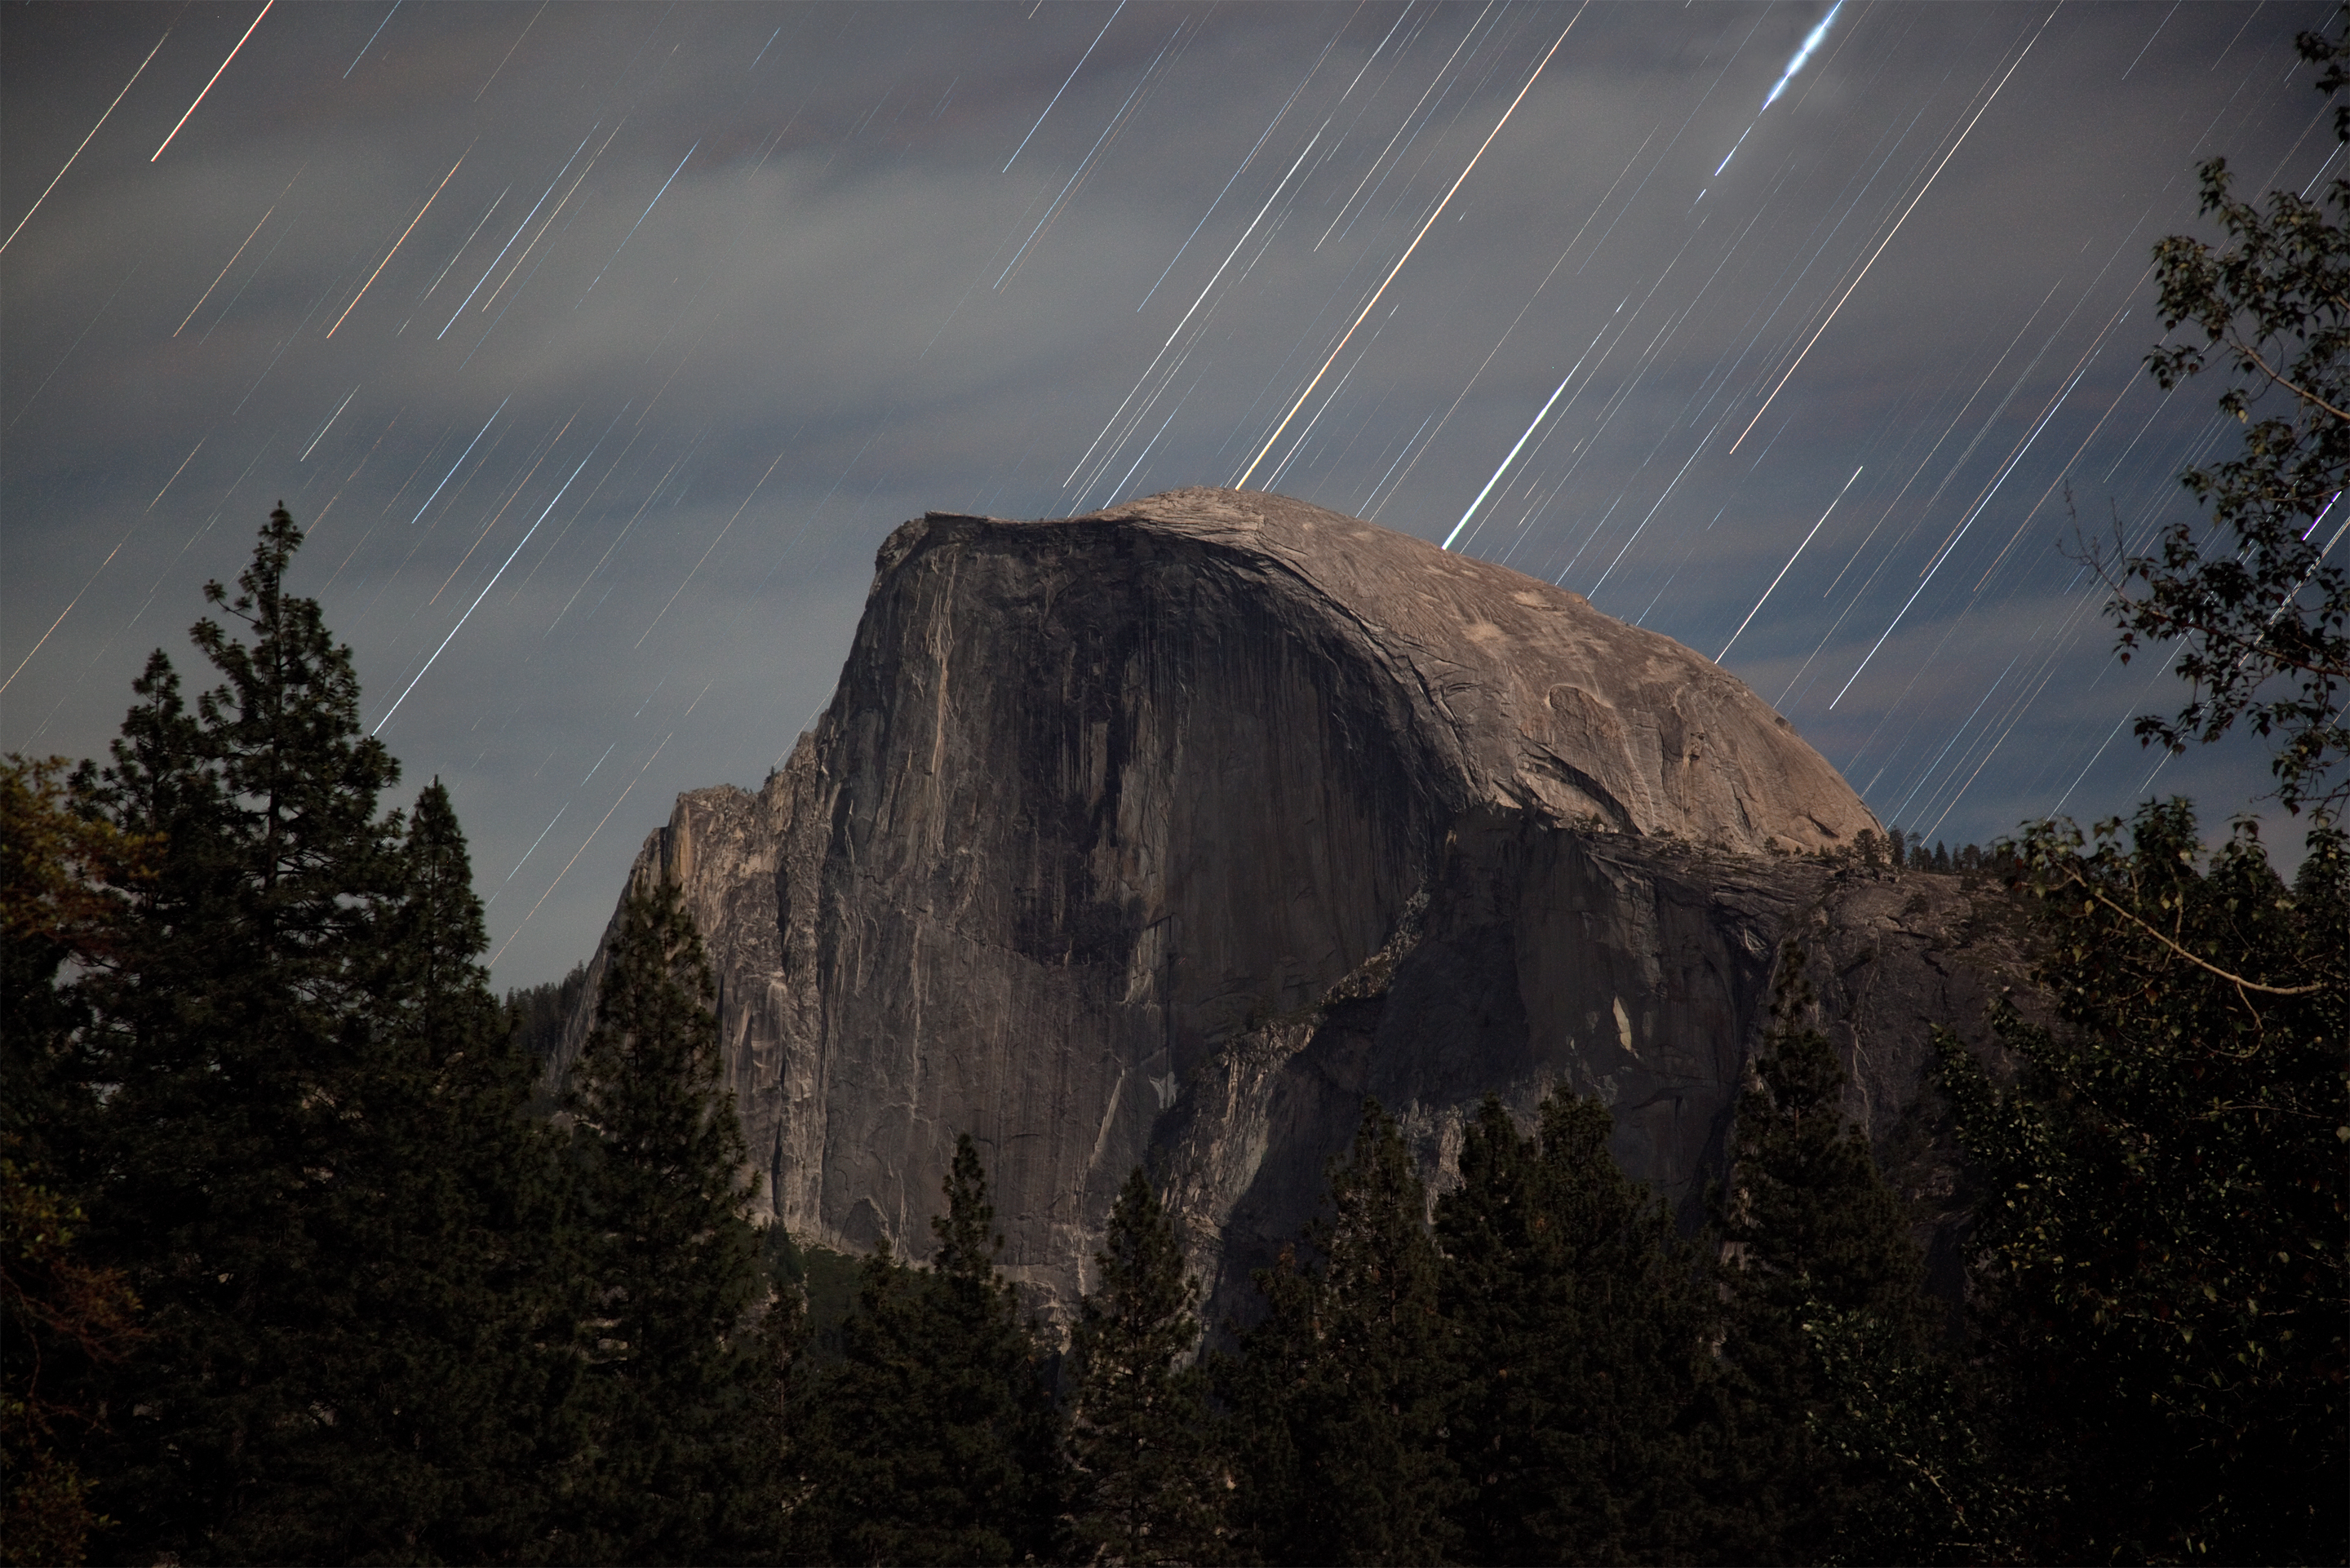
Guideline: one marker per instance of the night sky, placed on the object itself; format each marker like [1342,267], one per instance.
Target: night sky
[598,347]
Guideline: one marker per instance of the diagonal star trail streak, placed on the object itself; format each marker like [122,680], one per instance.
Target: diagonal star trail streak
[1240,481]
[1805,333]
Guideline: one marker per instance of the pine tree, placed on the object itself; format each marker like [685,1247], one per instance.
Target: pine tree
[1146,1482]
[932,1439]
[229,1034]
[864,1422]
[1839,1431]
[451,1370]
[776,1440]
[1580,1324]
[1340,1392]
[676,1390]
[303,1151]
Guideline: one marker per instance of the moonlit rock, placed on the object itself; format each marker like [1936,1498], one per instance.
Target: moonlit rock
[1165,834]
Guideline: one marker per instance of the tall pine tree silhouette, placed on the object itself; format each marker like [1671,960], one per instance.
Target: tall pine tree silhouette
[233,1032]
[1580,1325]
[1339,1394]
[673,1399]
[304,1153]
[1836,1434]
[449,1315]
[1145,1483]
[931,1440]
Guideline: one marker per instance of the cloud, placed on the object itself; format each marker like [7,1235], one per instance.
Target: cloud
[811,335]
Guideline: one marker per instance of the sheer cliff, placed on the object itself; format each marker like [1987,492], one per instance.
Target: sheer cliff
[1164,835]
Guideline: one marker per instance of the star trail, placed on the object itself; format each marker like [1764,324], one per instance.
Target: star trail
[1810,333]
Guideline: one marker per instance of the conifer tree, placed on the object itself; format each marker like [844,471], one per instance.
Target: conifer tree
[931,1440]
[1340,1392]
[1838,1429]
[673,1399]
[305,1157]
[1580,1324]
[1146,1484]
[863,1421]
[229,1033]
[779,1381]
[452,1369]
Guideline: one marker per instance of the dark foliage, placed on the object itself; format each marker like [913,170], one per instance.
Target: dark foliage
[2163,1239]
[1838,1434]
[537,1013]
[1339,1395]
[233,1031]
[1146,1479]
[278,1087]
[439,1343]
[822,1280]
[63,1320]
[2264,616]
[932,1439]
[673,1401]
[1580,1324]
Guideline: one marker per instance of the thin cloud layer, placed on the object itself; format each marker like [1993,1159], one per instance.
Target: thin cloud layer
[598,348]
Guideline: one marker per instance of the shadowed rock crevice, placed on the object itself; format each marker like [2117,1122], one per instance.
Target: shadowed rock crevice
[1164,835]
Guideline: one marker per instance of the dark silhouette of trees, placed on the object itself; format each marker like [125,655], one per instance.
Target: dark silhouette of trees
[65,1321]
[1339,1395]
[932,1439]
[233,1034]
[671,1400]
[251,1041]
[2164,1277]
[1147,1483]
[1580,1327]
[1839,1434]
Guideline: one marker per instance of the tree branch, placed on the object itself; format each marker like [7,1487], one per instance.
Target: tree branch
[2184,626]
[2249,352]
[2236,980]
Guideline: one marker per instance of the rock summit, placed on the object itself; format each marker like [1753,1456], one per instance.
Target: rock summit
[1164,835]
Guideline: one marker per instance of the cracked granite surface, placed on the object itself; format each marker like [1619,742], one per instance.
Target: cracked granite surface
[1166,833]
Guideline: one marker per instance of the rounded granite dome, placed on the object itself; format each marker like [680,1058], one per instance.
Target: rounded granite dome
[1164,835]
[1540,702]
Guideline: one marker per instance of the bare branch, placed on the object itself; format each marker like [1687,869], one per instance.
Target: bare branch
[2236,980]
[2249,352]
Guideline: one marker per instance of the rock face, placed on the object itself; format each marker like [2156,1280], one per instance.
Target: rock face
[1166,835]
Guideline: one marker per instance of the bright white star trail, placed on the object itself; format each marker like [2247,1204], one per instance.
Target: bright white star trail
[1803,53]
[598,348]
